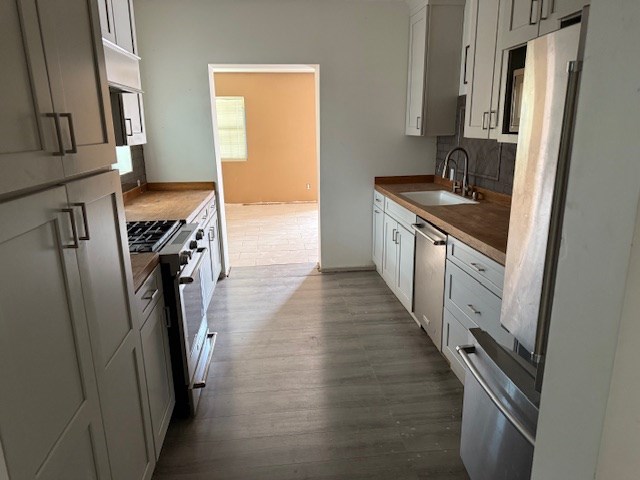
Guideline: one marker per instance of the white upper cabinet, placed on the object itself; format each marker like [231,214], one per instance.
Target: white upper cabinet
[552,12]
[435,40]
[77,75]
[519,22]
[483,27]
[56,119]
[118,24]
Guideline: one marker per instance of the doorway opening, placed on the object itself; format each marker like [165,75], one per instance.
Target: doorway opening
[266,135]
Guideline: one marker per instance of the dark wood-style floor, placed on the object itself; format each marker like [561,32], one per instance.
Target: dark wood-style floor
[317,376]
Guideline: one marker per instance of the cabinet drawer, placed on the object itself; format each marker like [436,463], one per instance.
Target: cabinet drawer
[149,294]
[378,199]
[467,298]
[486,271]
[399,213]
[455,333]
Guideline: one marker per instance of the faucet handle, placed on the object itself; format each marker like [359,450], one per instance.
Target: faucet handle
[455,187]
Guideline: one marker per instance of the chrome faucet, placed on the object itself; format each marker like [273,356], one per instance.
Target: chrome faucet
[465,172]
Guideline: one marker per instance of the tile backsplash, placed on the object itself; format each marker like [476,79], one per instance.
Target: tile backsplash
[130,180]
[491,164]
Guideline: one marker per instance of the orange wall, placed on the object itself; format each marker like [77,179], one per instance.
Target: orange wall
[281,137]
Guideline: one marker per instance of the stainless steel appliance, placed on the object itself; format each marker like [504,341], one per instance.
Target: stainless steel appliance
[431,253]
[186,272]
[500,411]
[501,400]
[150,236]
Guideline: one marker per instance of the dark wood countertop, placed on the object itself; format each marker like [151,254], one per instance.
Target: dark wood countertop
[142,264]
[167,205]
[483,226]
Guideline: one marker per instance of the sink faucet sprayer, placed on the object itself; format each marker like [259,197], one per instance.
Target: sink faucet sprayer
[465,173]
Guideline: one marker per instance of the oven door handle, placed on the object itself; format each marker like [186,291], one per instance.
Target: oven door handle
[188,278]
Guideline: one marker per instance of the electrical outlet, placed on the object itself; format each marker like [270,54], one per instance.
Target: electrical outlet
[308,186]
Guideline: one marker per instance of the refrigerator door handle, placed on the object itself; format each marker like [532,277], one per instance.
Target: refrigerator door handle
[464,351]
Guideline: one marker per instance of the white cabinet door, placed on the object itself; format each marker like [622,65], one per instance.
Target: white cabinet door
[105,9]
[75,62]
[404,278]
[518,22]
[134,125]
[157,367]
[378,237]
[553,11]
[390,251]
[27,135]
[483,20]
[50,415]
[125,31]
[415,86]
[105,272]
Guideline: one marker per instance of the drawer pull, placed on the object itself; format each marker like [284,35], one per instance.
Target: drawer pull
[475,312]
[478,268]
[379,200]
[150,295]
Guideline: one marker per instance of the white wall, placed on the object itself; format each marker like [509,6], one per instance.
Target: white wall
[598,230]
[361,47]
[619,458]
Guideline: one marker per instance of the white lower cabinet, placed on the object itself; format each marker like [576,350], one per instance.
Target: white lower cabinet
[107,289]
[50,416]
[157,361]
[398,258]
[472,299]
[70,346]
[378,237]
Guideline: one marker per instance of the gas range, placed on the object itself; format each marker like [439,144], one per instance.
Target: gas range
[150,236]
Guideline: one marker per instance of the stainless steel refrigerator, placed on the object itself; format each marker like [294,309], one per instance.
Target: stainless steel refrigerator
[502,388]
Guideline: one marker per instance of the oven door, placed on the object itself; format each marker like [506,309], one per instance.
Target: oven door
[191,284]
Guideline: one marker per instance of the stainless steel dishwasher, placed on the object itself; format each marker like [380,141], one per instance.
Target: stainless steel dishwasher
[431,253]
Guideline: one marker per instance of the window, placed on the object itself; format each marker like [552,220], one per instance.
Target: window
[232,128]
[123,158]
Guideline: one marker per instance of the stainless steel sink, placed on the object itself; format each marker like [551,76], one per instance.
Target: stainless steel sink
[437,197]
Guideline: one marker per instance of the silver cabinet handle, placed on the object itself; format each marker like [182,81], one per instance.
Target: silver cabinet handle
[417,227]
[379,200]
[485,125]
[418,123]
[477,267]
[533,19]
[393,235]
[167,317]
[544,10]
[74,228]
[56,121]
[72,133]
[83,207]
[376,210]
[472,308]
[493,119]
[203,380]
[130,125]
[150,295]
[464,351]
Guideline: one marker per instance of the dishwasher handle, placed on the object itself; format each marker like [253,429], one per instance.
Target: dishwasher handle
[464,351]
[418,228]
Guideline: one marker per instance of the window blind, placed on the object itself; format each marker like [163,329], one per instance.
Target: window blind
[232,128]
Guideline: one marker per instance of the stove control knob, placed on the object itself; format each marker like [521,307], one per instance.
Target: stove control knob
[185,257]
[200,234]
[193,245]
